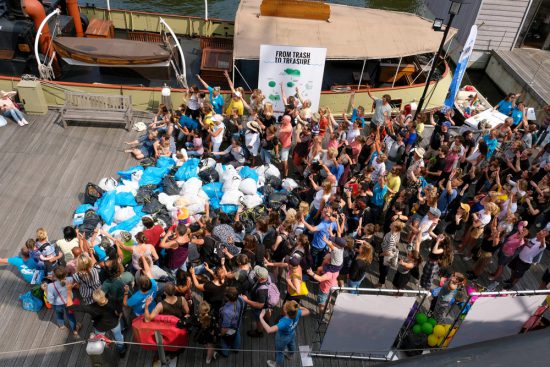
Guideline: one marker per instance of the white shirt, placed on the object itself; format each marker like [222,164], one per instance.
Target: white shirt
[424,227]
[379,169]
[352,134]
[529,253]
[219,137]
[483,218]
[252,141]
[319,196]
[414,165]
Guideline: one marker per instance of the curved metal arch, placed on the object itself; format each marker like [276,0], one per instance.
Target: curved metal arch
[181,77]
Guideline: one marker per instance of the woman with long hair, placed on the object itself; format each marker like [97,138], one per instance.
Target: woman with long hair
[404,269]
[172,304]
[142,248]
[360,265]
[208,330]
[86,278]
[441,256]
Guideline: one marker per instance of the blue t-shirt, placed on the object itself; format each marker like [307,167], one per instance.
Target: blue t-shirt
[189,123]
[491,145]
[323,229]
[287,326]
[517,115]
[25,267]
[137,301]
[355,117]
[505,107]
[337,171]
[378,193]
[217,102]
[411,139]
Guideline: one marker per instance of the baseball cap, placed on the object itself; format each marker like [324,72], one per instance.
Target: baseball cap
[261,272]
[436,212]
[338,241]
[446,124]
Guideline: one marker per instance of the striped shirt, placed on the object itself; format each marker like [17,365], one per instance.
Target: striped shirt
[391,239]
[88,283]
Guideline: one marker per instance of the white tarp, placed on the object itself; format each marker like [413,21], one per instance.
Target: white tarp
[493,117]
[366,323]
[495,317]
[301,67]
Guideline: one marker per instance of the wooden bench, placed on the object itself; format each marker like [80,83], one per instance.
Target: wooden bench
[97,108]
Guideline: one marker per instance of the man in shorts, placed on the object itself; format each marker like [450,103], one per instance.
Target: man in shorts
[285,137]
[258,299]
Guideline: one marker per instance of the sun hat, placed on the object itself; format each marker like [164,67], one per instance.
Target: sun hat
[316,117]
[419,152]
[435,212]
[466,207]
[253,125]
[217,117]
[4,94]
[261,272]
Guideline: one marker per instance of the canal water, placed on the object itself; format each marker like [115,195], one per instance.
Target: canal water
[225,9]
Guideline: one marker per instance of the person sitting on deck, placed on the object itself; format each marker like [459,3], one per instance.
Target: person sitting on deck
[8,109]
[28,268]
[146,146]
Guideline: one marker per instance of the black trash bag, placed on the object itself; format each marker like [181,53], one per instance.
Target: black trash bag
[266,190]
[153,206]
[148,162]
[276,200]
[248,225]
[164,216]
[292,201]
[170,186]
[144,194]
[91,220]
[274,182]
[209,175]
[92,192]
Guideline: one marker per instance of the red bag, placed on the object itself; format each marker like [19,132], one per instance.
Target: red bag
[144,332]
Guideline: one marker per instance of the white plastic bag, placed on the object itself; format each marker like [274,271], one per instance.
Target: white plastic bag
[108,184]
[207,163]
[136,176]
[231,183]
[128,186]
[248,186]
[268,170]
[229,172]
[251,201]
[123,213]
[289,184]
[232,197]
[191,186]
[168,200]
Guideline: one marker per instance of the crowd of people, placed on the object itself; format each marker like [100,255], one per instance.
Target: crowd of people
[377,196]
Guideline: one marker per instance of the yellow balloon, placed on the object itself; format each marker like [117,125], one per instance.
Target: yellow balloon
[433,340]
[447,327]
[439,331]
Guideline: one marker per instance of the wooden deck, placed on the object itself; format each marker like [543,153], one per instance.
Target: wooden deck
[530,68]
[43,170]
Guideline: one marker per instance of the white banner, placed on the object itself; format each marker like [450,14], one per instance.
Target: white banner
[291,67]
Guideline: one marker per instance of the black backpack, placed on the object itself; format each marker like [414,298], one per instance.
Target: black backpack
[285,248]
[292,201]
[147,162]
[169,186]
[92,193]
[217,253]
[269,239]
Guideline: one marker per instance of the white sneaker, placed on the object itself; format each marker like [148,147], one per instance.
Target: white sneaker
[25,122]
[271,363]
[21,123]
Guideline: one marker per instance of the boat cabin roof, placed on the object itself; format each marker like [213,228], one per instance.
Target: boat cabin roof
[351,33]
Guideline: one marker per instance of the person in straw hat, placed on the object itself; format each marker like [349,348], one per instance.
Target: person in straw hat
[252,139]
[9,110]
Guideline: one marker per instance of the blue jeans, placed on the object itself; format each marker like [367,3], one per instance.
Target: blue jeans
[265,155]
[317,255]
[14,114]
[283,342]
[60,313]
[230,342]
[355,284]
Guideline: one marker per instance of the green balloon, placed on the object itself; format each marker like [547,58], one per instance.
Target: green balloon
[432,321]
[427,328]
[417,329]
[421,318]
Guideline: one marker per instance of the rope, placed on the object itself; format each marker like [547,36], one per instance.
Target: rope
[42,348]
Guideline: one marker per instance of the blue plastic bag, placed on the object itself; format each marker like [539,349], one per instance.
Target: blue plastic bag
[188,170]
[125,199]
[247,172]
[164,162]
[82,208]
[30,302]
[127,173]
[213,190]
[106,209]
[153,175]
[128,224]
[214,203]
[229,208]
